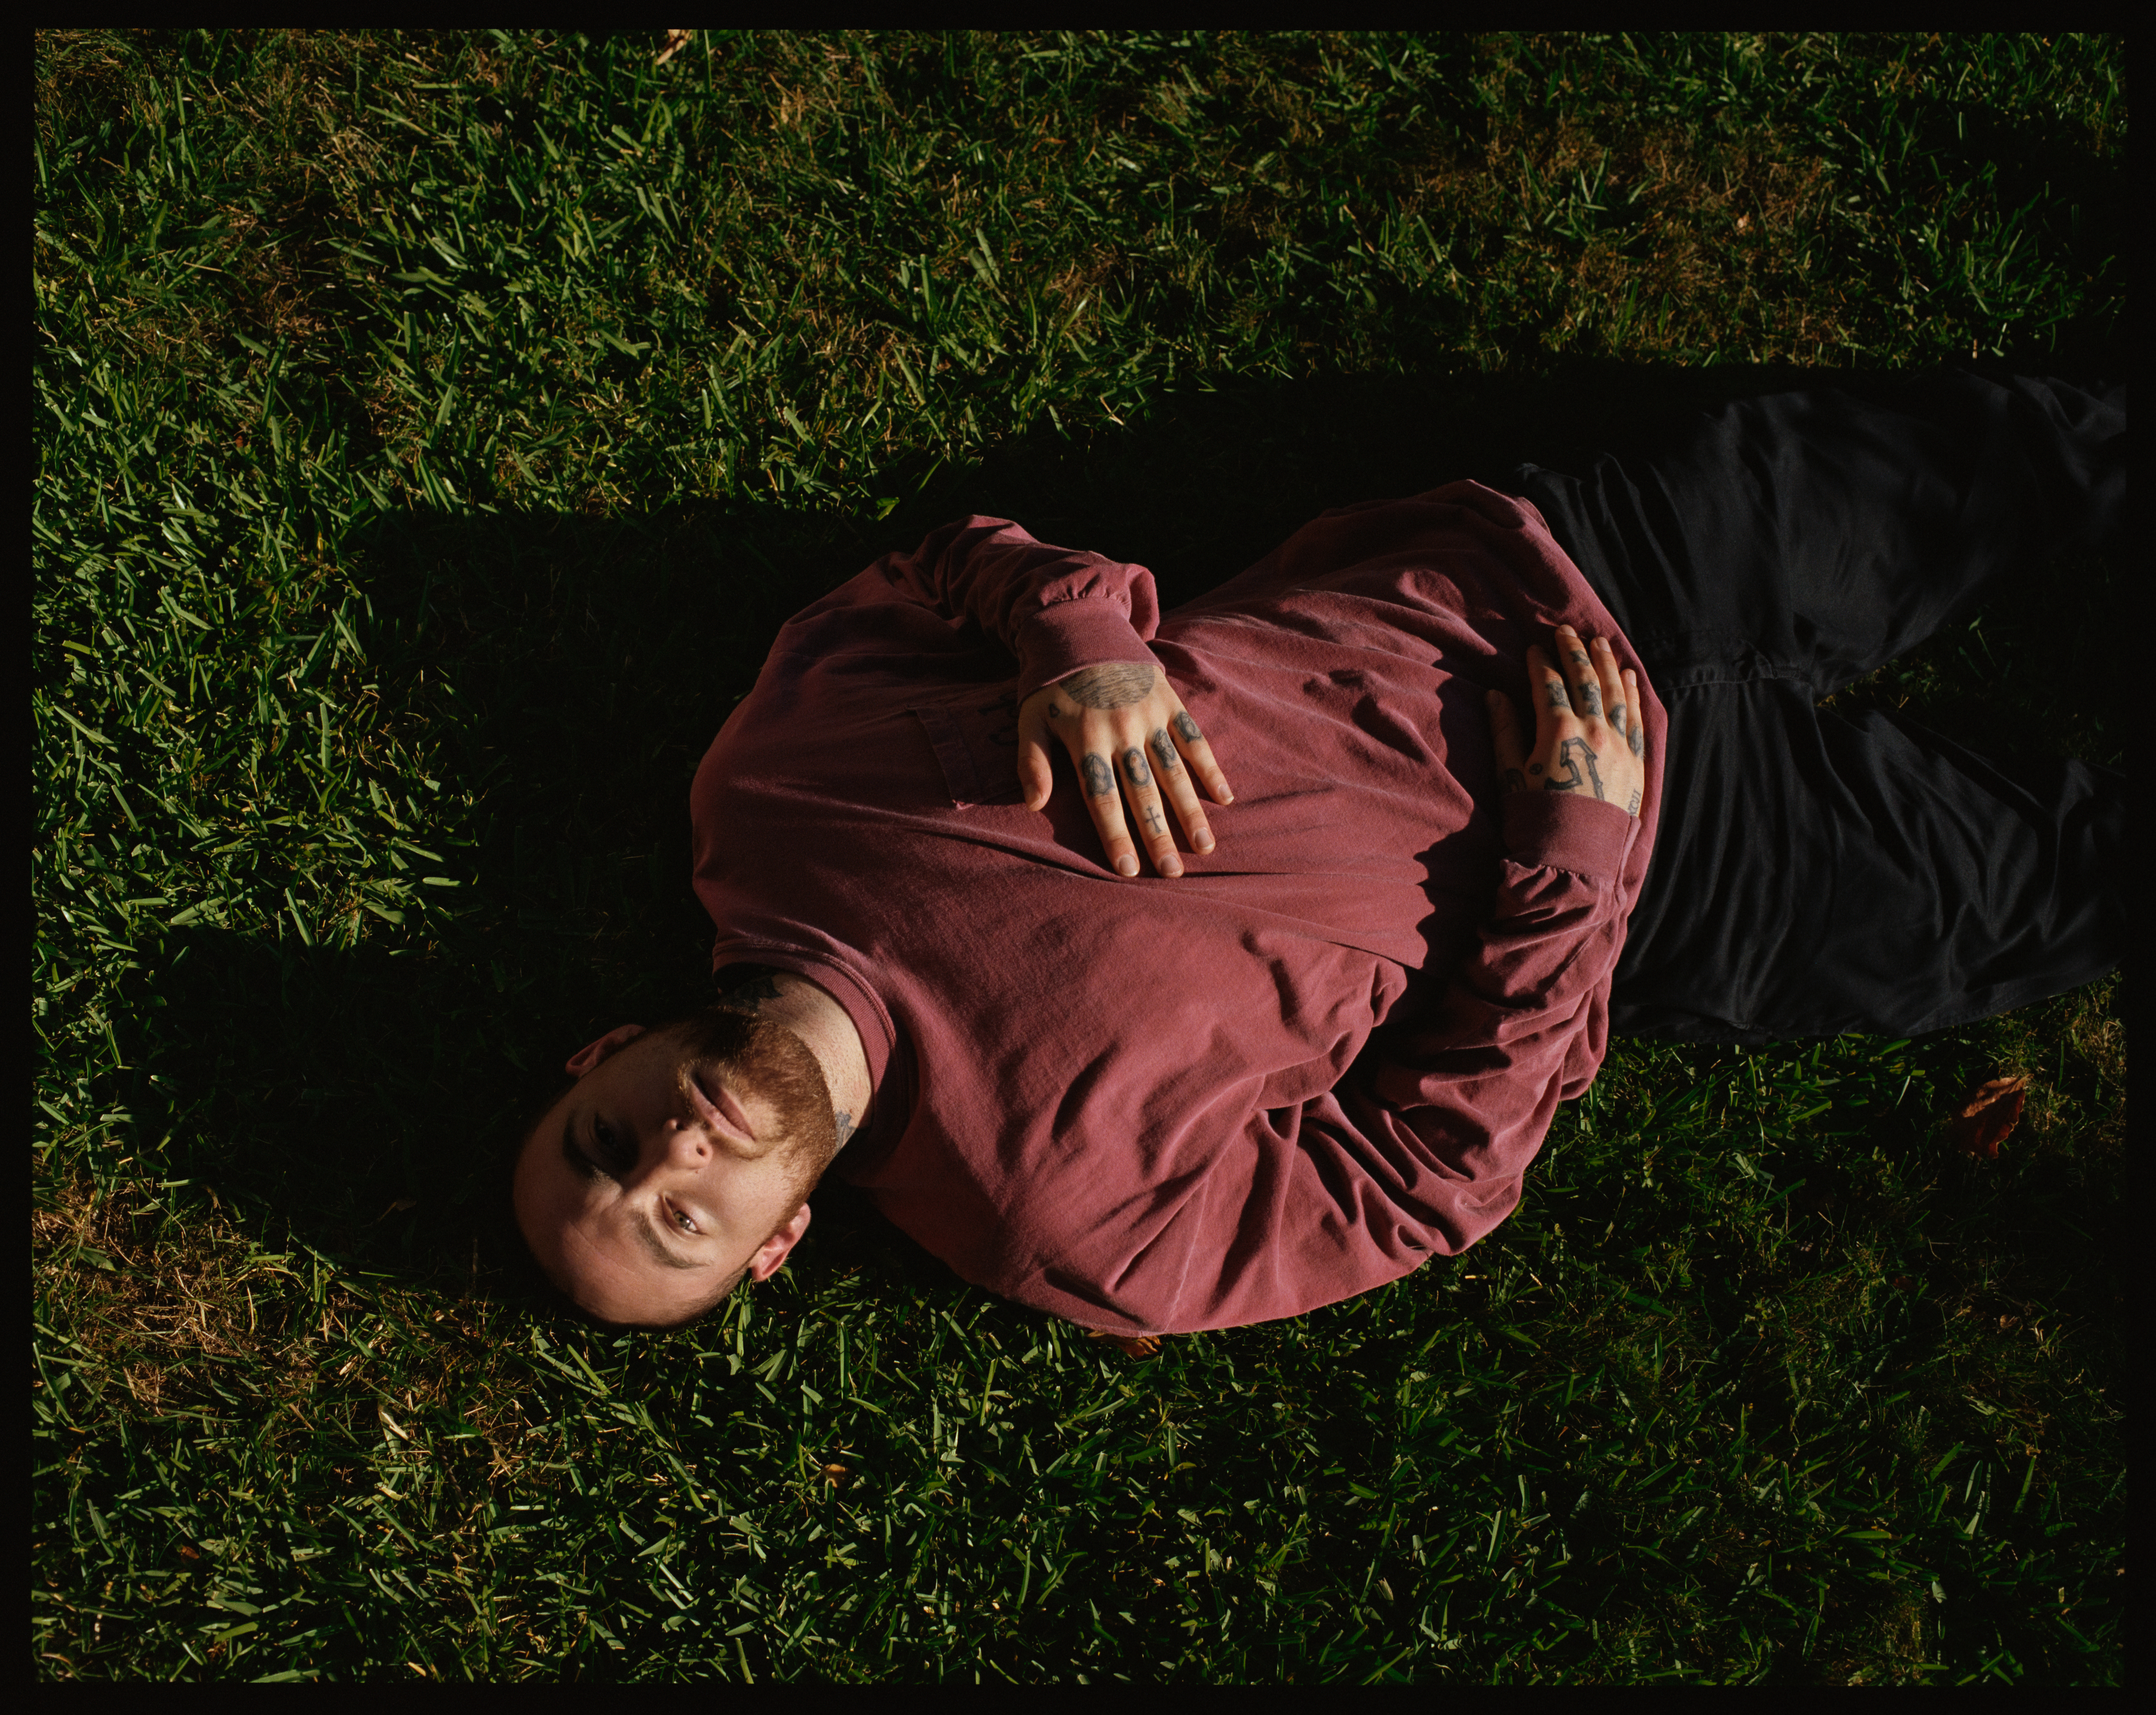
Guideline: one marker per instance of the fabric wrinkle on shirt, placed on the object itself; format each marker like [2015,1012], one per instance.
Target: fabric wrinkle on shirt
[1327,1052]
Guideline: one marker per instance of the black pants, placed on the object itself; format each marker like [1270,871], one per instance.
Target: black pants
[1817,872]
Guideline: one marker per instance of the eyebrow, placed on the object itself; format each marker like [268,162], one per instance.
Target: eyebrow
[647,1227]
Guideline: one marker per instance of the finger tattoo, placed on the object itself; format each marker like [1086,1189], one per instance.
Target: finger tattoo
[1153,821]
[1634,736]
[1617,715]
[1186,729]
[1134,768]
[1163,752]
[1515,781]
[1591,694]
[1100,778]
[1554,691]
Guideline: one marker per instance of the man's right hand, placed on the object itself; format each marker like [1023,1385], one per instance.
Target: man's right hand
[1589,738]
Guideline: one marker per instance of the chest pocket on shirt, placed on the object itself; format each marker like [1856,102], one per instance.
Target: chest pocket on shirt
[975,741]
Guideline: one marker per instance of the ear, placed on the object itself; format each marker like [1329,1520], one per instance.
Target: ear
[771,1256]
[587,1058]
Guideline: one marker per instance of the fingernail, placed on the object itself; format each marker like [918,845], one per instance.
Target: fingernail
[1204,842]
[1171,867]
[1126,865]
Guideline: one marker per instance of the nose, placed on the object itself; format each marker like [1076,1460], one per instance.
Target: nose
[685,1145]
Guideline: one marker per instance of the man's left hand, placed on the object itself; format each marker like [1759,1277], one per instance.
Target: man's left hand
[1132,742]
[1589,734]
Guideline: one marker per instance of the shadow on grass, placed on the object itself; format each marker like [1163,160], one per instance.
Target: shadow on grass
[573,670]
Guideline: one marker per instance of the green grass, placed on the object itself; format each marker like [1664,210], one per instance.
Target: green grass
[431,433]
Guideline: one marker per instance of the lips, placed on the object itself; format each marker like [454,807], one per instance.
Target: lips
[715,1106]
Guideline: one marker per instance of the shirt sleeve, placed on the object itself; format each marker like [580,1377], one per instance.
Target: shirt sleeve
[1423,1150]
[1055,609]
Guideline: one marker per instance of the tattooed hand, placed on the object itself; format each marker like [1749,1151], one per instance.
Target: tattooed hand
[1133,740]
[1588,734]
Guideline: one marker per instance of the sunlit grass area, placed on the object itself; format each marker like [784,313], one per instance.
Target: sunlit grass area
[430,433]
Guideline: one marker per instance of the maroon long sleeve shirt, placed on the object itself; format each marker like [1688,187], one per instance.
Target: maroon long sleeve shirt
[1326,1053]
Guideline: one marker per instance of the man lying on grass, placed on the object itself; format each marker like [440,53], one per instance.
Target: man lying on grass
[1323,1040]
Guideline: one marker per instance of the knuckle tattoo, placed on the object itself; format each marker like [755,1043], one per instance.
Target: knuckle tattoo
[1100,778]
[1134,768]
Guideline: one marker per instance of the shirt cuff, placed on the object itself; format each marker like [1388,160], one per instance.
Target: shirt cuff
[1059,640]
[1567,830]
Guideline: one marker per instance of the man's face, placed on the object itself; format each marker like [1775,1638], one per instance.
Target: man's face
[679,1159]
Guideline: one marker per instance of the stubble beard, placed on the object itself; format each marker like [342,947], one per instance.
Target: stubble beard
[766,1061]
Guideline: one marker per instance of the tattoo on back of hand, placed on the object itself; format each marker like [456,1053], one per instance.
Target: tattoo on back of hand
[1113,686]
[1570,755]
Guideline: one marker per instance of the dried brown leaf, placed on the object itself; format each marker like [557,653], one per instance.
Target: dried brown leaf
[1988,1116]
[1130,1345]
